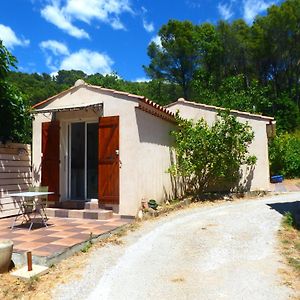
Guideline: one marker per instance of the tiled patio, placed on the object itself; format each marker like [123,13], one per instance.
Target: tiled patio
[60,235]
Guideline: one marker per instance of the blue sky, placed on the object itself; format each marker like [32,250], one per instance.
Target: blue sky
[103,35]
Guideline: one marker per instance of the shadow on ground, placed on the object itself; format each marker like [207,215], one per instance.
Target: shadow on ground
[282,208]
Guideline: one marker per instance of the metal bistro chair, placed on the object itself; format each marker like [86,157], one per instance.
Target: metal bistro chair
[37,207]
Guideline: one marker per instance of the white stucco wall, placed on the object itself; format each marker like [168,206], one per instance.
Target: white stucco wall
[259,146]
[153,157]
[144,159]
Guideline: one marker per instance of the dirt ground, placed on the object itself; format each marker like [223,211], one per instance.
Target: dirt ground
[289,238]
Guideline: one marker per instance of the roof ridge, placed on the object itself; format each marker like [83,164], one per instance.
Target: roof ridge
[218,108]
[140,98]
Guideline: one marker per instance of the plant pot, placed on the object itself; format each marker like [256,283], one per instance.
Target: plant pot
[6,248]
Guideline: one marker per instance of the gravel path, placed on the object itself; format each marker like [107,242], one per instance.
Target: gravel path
[228,251]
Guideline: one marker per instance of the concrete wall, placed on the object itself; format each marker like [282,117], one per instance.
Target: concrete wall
[144,144]
[15,175]
[258,179]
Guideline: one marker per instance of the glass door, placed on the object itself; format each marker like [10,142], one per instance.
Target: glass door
[92,161]
[83,162]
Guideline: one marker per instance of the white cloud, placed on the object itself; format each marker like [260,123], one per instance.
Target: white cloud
[117,24]
[225,10]
[56,16]
[106,11]
[57,48]
[149,27]
[9,38]
[157,41]
[142,79]
[253,7]
[103,10]
[88,61]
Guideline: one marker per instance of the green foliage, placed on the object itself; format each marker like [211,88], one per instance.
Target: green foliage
[36,87]
[285,155]
[209,156]
[87,246]
[288,219]
[177,58]
[253,68]
[15,121]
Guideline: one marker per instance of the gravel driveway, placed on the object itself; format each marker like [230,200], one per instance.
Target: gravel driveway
[227,251]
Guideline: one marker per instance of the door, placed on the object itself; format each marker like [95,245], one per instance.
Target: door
[108,161]
[77,168]
[50,158]
[83,164]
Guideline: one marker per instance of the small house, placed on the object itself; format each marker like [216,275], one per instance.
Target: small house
[91,142]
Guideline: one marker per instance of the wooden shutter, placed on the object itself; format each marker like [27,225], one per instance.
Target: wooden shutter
[108,168]
[50,158]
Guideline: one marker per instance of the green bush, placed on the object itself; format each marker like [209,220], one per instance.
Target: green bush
[208,157]
[284,152]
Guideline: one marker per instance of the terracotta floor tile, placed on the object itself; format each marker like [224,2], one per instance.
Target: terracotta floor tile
[68,242]
[48,232]
[88,226]
[108,227]
[51,248]
[27,238]
[29,245]
[58,228]
[8,236]
[81,236]
[62,234]
[47,239]
[75,229]
[116,224]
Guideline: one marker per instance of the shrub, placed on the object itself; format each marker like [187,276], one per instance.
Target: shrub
[284,152]
[207,156]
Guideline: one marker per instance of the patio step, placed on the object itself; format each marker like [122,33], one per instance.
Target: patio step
[94,214]
[91,205]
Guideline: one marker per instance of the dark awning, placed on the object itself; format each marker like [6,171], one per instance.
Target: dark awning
[97,106]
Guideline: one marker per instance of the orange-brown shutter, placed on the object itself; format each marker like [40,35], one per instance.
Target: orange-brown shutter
[108,168]
[50,158]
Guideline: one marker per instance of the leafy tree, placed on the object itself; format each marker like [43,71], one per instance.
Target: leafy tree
[15,122]
[68,78]
[206,156]
[178,56]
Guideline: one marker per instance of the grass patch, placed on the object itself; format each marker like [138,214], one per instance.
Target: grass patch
[88,244]
[288,219]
